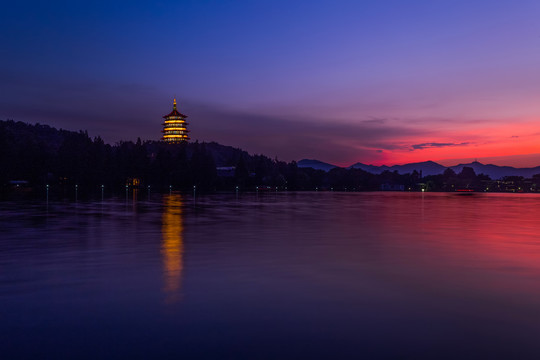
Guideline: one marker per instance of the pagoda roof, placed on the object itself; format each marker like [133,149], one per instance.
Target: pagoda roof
[175,112]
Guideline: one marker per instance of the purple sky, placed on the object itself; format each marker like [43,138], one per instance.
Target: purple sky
[370,81]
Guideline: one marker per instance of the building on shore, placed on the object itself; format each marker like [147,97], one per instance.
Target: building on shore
[175,127]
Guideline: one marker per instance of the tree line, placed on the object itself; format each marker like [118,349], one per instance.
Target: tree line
[41,155]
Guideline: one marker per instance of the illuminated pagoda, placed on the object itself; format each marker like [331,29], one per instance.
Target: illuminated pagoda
[174,128]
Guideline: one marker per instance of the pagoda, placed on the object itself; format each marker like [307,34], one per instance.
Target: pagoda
[174,128]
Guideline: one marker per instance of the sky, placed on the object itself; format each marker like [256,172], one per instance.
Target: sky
[371,81]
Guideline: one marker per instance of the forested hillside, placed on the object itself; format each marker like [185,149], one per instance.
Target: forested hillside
[43,155]
[39,155]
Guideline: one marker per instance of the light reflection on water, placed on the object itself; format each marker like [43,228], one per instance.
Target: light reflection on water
[173,247]
[278,275]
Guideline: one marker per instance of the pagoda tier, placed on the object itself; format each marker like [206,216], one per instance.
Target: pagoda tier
[175,127]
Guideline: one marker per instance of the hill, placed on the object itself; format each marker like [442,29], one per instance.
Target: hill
[425,168]
[428,168]
[498,172]
[40,155]
[315,164]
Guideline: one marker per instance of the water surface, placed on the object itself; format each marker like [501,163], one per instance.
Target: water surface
[272,276]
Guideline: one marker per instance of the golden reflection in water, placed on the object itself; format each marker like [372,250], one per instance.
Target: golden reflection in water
[172,248]
[135,196]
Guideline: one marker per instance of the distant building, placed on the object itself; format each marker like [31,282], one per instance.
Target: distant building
[392,187]
[226,171]
[175,127]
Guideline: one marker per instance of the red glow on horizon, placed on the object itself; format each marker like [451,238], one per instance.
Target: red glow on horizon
[514,143]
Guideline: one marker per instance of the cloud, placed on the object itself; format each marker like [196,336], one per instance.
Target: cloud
[436,145]
[119,111]
[295,137]
[375,121]
[390,145]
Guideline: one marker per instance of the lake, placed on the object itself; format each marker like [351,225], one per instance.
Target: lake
[305,275]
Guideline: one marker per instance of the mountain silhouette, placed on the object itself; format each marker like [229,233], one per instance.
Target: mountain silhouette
[315,164]
[431,168]
[426,168]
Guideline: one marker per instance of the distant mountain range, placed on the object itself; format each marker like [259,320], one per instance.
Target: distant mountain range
[315,164]
[427,168]
[430,168]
